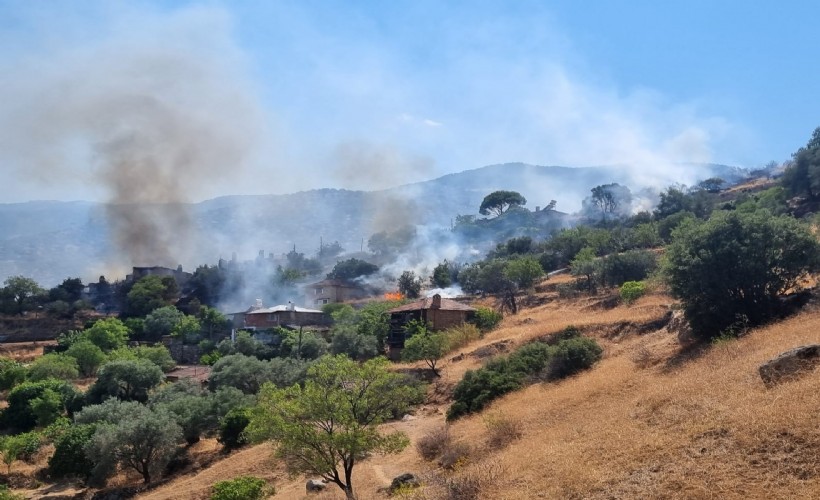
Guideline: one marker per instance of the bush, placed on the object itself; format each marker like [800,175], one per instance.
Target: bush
[248,373]
[241,488]
[738,265]
[232,428]
[128,380]
[454,455]
[159,355]
[487,318]
[433,443]
[459,336]
[6,494]
[573,355]
[506,374]
[633,265]
[88,355]
[21,416]
[11,373]
[501,431]
[632,291]
[69,456]
[54,365]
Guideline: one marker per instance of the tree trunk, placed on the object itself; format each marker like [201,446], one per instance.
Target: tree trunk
[349,493]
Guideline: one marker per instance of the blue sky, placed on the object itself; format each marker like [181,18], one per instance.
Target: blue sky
[280,96]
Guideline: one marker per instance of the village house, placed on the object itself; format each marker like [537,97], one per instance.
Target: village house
[331,291]
[436,312]
[180,276]
[286,316]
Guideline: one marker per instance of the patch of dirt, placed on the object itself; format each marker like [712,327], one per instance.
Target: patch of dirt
[787,453]
[494,349]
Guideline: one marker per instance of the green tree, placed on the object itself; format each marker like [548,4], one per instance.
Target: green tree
[585,264]
[351,269]
[69,452]
[20,415]
[523,271]
[158,354]
[107,334]
[499,201]
[21,292]
[19,447]
[161,322]
[88,355]
[802,177]
[149,293]
[127,380]
[426,346]
[409,284]
[188,329]
[212,321]
[712,184]
[145,441]
[331,423]
[735,267]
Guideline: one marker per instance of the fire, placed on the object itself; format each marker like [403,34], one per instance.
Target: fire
[393,296]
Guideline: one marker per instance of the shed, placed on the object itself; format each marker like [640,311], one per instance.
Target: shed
[289,315]
[437,312]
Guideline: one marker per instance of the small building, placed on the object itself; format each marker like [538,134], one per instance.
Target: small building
[181,277]
[331,291]
[263,318]
[438,313]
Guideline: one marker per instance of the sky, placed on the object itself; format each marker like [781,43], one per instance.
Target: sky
[256,97]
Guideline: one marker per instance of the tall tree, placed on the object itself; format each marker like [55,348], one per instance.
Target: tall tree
[499,201]
[802,177]
[331,423]
[20,291]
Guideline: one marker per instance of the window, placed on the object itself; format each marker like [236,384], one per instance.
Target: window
[322,301]
[319,291]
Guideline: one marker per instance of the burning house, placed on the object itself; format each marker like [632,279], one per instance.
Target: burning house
[180,276]
[436,312]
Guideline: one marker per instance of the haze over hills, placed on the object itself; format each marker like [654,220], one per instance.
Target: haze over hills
[49,240]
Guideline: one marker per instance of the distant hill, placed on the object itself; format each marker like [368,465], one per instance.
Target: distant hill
[49,240]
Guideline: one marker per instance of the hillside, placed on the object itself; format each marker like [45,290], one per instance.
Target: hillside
[50,240]
[651,420]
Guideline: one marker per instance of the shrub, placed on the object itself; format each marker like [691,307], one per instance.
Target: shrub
[459,336]
[107,334]
[426,346]
[6,494]
[481,386]
[19,447]
[69,456]
[54,365]
[455,455]
[487,318]
[88,355]
[523,271]
[232,428]
[248,373]
[159,355]
[738,265]
[633,265]
[11,373]
[241,488]
[573,355]
[501,431]
[20,415]
[433,443]
[128,380]
[632,291]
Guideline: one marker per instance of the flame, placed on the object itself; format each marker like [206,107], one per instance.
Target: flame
[393,296]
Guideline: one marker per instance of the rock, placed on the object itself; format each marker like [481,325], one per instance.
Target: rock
[406,480]
[407,418]
[315,485]
[790,364]
[678,324]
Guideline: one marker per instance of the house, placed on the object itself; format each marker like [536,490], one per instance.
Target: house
[436,312]
[331,291]
[180,276]
[289,316]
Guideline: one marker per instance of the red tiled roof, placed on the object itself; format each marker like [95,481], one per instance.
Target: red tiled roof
[426,303]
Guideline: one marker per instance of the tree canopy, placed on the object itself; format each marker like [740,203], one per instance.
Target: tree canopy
[499,201]
[330,424]
[734,267]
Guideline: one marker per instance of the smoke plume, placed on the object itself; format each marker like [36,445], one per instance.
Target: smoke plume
[155,113]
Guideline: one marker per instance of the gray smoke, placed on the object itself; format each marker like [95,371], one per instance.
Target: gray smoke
[152,115]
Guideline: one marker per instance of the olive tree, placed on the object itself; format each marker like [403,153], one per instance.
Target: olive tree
[331,423]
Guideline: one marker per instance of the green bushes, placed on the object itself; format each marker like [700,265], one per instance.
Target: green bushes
[232,428]
[632,291]
[20,413]
[69,456]
[506,374]
[241,488]
[487,318]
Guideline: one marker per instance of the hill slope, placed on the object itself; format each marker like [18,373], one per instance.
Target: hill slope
[651,420]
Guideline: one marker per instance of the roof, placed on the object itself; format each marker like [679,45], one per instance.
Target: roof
[283,308]
[427,302]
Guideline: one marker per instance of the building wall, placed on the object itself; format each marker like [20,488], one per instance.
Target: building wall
[281,318]
[442,319]
[319,296]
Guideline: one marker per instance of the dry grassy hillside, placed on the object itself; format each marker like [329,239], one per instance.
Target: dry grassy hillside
[649,421]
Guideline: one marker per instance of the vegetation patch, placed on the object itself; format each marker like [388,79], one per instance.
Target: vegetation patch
[530,362]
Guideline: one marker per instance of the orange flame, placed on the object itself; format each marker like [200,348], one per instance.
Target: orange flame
[393,296]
